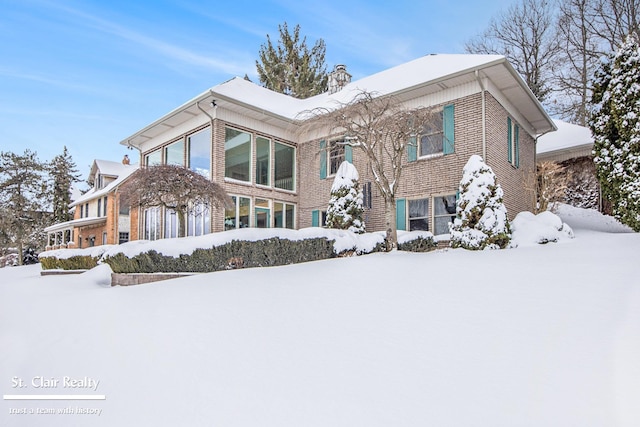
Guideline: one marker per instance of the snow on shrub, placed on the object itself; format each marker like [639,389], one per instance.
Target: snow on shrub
[481,221]
[345,206]
[529,229]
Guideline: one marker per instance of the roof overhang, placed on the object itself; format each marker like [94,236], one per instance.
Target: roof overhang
[76,223]
[563,154]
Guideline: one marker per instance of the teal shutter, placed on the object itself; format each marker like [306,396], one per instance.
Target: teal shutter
[315,218]
[412,149]
[323,159]
[348,153]
[401,214]
[448,145]
[509,145]
[517,146]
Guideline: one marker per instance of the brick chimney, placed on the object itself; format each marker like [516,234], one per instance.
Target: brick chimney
[338,78]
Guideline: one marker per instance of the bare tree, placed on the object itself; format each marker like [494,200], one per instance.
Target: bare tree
[525,35]
[172,187]
[382,129]
[612,21]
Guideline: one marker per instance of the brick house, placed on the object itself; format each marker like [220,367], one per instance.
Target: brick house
[248,138]
[98,218]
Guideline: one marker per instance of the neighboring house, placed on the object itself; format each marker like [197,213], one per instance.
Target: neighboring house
[571,147]
[98,219]
[249,138]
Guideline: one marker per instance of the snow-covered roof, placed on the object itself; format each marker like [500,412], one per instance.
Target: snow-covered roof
[112,169]
[568,141]
[422,76]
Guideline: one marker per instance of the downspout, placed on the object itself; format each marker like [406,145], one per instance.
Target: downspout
[211,118]
[140,225]
[484,117]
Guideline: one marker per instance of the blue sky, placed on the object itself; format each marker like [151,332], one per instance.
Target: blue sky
[87,74]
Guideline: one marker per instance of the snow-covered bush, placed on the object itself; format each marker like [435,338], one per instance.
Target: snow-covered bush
[345,206]
[529,229]
[481,221]
[416,241]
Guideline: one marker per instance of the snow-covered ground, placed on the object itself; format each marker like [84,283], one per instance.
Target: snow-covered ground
[544,335]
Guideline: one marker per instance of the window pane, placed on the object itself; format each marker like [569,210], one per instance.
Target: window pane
[262,213]
[418,208]
[418,224]
[336,156]
[153,159]
[432,136]
[230,215]
[263,166]
[174,153]
[170,224]
[278,215]
[243,212]
[290,216]
[237,155]
[285,166]
[445,205]
[200,152]
[441,225]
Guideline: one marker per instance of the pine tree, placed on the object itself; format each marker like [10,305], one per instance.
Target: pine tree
[345,206]
[63,173]
[291,67]
[615,124]
[481,221]
[23,189]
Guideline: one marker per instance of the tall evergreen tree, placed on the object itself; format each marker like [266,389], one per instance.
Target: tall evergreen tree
[63,173]
[291,67]
[615,124]
[23,189]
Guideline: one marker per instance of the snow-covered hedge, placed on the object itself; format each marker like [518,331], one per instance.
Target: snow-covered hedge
[529,229]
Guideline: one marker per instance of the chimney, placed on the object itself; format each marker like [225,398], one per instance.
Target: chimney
[125,160]
[338,78]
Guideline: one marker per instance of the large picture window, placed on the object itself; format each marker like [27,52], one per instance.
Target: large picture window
[285,160]
[237,155]
[238,215]
[174,153]
[200,152]
[198,220]
[263,161]
[153,159]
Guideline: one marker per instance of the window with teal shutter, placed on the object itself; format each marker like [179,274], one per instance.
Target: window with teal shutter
[412,149]
[348,153]
[323,159]
[448,145]
[315,218]
[401,214]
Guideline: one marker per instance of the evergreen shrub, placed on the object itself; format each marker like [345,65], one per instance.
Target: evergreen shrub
[79,262]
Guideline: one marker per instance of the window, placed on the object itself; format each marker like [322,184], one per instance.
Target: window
[263,161]
[238,215]
[86,210]
[285,160]
[124,209]
[444,213]
[198,220]
[336,156]
[237,155]
[123,238]
[104,207]
[513,143]
[200,152]
[284,215]
[170,224]
[104,237]
[174,153]
[262,214]
[152,221]
[99,207]
[432,136]
[419,214]
[153,159]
